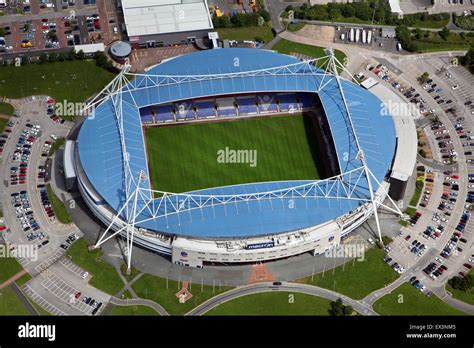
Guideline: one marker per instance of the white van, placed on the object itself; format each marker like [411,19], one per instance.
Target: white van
[399,46]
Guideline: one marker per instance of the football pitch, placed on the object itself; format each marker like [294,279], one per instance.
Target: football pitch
[202,155]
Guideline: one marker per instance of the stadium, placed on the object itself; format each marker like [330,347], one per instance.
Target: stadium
[147,157]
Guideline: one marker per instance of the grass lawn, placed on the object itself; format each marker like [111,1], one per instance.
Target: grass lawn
[10,304]
[56,145]
[414,303]
[133,310]
[274,303]
[39,309]
[74,81]
[185,157]
[356,279]
[288,47]
[126,294]
[465,22]
[59,209]
[23,280]
[295,26]
[6,109]
[104,275]
[246,33]
[9,266]
[467,297]
[3,124]
[416,195]
[133,272]
[435,43]
[155,289]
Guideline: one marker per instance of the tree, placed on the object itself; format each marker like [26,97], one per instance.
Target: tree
[24,60]
[424,77]
[53,57]
[43,58]
[70,55]
[61,57]
[444,33]
[339,309]
[404,36]
[464,284]
[80,55]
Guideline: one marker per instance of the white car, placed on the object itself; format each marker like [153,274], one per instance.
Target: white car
[471,260]
[371,241]
[439,259]
[85,275]
[455,87]
[401,270]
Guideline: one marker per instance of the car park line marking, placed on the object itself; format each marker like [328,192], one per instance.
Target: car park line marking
[41,301]
[72,266]
[65,292]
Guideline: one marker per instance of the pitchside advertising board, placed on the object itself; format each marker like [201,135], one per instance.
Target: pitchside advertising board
[260,245]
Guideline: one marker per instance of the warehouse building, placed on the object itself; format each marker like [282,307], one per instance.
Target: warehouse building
[158,23]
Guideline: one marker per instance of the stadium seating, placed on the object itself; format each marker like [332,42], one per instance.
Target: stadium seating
[266,103]
[164,113]
[226,107]
[287,102]
[205,108]
[246,105]
[184,110]
[306,100]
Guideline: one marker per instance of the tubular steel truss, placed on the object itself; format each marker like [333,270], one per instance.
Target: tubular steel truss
[139,206]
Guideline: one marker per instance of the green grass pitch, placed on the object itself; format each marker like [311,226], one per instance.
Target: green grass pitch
[185,157]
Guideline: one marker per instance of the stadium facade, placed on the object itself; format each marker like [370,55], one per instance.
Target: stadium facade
[239,223]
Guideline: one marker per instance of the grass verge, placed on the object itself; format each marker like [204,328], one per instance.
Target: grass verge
[58,206]
[133,310]
[104,275]
[356,279]
[246,33]
[406,300]
[274,303]
[74,81]
[164,292]
[10,304]
[9,266]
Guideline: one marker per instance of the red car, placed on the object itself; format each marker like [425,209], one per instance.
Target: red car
[22,182]
[407,237]
[455,176]
[51,101]
[467,265]
[462,274]
[8,130]
[78,295]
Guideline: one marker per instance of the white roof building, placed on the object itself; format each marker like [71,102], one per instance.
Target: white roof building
[151,17]
[395,7]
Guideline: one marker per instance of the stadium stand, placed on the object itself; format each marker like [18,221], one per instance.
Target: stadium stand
[246,105]
[205,108]
[286,102]
[266,103]
[184,110]
[164,112]
[226,107]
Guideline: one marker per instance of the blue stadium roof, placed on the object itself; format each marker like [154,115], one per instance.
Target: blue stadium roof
[100,148]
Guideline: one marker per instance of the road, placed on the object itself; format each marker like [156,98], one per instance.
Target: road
[360,307]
